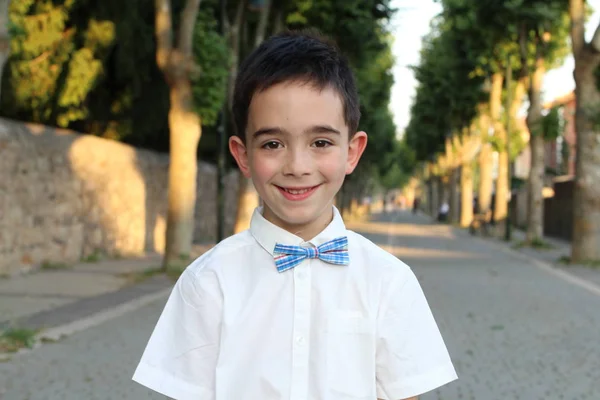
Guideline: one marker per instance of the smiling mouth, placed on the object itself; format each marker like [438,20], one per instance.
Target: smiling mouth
[297,193]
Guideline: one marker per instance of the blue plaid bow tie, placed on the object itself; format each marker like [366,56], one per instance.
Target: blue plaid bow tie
[334,252]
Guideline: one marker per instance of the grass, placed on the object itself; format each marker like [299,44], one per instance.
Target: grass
[13,339]
[566,260]
[49,265]
[137,277]
[93,258]
[536,243]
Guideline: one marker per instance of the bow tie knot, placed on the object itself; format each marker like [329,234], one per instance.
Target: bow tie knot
[334,252]
[312,252]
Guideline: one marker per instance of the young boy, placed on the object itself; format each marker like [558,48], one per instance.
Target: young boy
[297,307]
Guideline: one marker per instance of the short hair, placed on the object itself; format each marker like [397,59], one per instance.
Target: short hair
[304,56]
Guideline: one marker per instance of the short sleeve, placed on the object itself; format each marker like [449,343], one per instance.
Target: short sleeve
[412,358]
[180,358]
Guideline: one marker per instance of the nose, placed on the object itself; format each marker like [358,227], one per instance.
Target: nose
[298,162]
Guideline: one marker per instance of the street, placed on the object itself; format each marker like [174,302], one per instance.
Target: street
[514,331]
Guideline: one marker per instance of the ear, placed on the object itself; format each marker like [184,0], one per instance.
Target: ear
[240,153]
[356,148]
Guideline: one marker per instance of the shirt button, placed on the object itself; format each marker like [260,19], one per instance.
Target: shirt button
[300,340]
[301,275]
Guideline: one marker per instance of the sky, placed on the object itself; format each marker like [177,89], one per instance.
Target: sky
[411,23]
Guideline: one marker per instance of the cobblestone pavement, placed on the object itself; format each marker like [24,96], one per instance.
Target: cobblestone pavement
[96,364]
[513,330]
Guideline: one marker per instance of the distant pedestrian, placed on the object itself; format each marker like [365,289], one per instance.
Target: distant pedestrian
[416,204]
[443,213]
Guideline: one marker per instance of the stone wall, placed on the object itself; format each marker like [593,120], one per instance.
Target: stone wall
[64,196]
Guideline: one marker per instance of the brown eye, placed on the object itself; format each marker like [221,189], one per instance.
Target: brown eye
[322,143]
[272,145]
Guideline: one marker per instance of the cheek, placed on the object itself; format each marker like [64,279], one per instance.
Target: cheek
[334,167]
[263,168]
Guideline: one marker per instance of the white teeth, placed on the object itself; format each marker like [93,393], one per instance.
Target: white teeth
[296,191]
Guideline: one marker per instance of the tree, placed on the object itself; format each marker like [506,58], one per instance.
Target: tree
[586,206]
[543,30]
[56,61]
[175,59]
[484,196]
[4,36]
[443,112]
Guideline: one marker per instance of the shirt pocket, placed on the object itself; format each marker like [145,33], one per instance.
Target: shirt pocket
[351,358]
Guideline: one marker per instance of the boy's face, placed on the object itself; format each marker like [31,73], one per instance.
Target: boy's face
[297,153]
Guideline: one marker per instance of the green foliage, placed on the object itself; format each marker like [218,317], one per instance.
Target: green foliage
[469,42]
[90,66]
[56,60]
[399,164]
[447,93]
[212,55]
[49,265]
[552,124]
[13,339]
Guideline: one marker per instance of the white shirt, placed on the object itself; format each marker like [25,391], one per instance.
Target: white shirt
[234,328]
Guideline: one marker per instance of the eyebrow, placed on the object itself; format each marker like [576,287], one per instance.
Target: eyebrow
[312,129]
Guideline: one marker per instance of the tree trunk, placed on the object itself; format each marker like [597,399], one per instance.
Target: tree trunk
[278,24]
[454,181]
[517,100]
[451,189]
[263,20]
[436,188]
[485,167]
[469,146]
[466,190]
[184,127]
[500,208]
[247,202]
[233,31]
[4,38]
[586,202]
[535,185]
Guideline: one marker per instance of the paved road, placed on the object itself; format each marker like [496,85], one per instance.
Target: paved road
[513,330]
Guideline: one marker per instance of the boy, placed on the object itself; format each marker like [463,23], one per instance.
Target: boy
[297,307]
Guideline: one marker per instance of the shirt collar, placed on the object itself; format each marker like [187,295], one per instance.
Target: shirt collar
[268,234]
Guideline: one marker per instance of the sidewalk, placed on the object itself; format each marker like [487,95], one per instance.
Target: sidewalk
[553,257]
[50,298]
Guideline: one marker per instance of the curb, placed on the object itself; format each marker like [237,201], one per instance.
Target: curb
[92,320]
[551,269]
[543,265]
[92,311]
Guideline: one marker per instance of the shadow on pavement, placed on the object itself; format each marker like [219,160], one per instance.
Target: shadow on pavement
[409,236]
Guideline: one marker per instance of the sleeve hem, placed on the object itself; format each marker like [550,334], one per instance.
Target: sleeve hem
[160,381]
[417,385]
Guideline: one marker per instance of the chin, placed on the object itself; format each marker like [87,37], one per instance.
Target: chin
[302,215]
[297,217]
